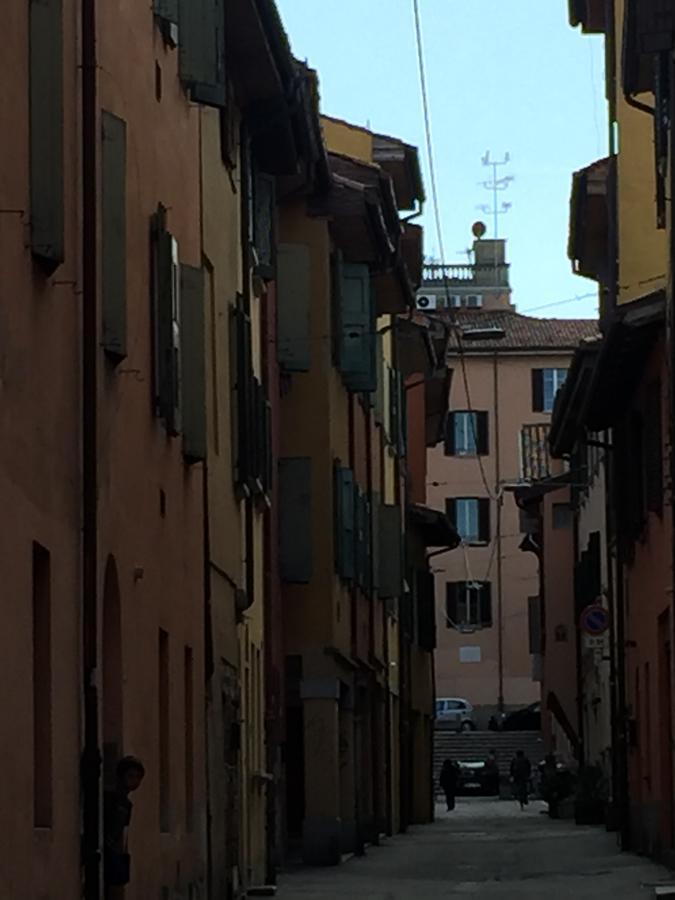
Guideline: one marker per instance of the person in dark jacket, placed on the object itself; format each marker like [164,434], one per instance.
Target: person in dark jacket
[491,774]
[116,819]
[448,782]
[521,771]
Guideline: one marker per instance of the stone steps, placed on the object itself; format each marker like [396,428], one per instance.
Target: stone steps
[476,745]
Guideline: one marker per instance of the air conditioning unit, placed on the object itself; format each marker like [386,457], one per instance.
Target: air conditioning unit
[426,301]
[474,301]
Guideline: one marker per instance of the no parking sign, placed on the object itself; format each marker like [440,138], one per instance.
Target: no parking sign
[594,620]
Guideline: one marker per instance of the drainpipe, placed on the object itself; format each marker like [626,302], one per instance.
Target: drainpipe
[91,757]
[671,350]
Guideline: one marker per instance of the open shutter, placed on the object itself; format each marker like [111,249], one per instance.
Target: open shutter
[391,551]
[194,368]
[167,13]
[486,604]
[264,207]
[482,434]
[345,523]
[201,26]
[242,396]
[484,534]
[295,515]
[293,307]
[451,510]
[451,603]
[426,610]
[450,434]
[361,538]
[375,540]
[537,390]
[46,133]
[114,235]
[358,341]
[653,452]
[166,289]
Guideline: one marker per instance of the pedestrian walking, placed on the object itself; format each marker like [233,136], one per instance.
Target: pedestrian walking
[117,810]
[448,782]
[521,771]
[491,774]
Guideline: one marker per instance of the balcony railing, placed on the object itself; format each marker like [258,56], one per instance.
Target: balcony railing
[480,276]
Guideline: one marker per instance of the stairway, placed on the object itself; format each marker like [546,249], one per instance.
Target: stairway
[469,746]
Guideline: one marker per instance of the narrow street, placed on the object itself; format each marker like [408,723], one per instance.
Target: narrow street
[487,849]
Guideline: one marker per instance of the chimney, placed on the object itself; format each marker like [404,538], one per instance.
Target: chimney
[491,268]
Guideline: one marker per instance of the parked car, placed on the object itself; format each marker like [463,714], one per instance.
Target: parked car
[456,712]
[526,719]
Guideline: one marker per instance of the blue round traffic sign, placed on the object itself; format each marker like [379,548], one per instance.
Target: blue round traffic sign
[595,620]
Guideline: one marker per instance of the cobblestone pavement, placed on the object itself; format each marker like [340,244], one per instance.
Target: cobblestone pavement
[486,849]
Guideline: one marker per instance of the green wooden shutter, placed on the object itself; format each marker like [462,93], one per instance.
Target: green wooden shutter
[194,368]
[166,289]
[293,307]
[114,235]
[450,434]
[486,604]
[482,433]
[537,390]
[242,399]
[201,25]
[295,519]
[357,356]
[451,510]
[484,520]
[46,133]
[375,541]
[345,523]
[167,13]
[264,209]
[391,551]
[452,589]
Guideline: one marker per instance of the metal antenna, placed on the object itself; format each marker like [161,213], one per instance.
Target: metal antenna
[496,185]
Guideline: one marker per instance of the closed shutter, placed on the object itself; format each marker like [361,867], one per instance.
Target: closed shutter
[345,523]
[452,589]
[537,390]
[166,291]
[486,604]
[391,551]
[450,434]
[293,307]
[375,541]
[194,368]
[451,510]
[357,361]
[295,519]
[202,50]
[482,434]
[426,611]
[653,452]
[46,133]
[484,531]
[264,207]
[114,235]
[242,397]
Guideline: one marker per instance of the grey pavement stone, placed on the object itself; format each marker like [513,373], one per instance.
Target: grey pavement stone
[487,849]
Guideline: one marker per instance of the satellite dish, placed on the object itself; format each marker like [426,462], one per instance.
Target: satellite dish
[478,229]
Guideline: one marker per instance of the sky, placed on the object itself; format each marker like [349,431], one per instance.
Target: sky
[508,76]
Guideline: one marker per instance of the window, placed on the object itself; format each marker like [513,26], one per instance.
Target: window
[467,434]
[474,301]
[468,604]
[545,385]
[167,320]
[471,517]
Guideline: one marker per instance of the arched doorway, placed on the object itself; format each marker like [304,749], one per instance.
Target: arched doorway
[112,706]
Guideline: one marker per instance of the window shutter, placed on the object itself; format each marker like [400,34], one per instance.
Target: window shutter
[166,9]
[264,209]
[46,133]
[194,368]
[426,611]
[243,400]
[534,619]
[450,434]
[403,415]
[484,531]
[451,510]
[486,604]
[345,523]
[375,542]
[201,26]
[114,235]
[293,307]
[451,603]
[653,451]
[166,290]
[391,551]
[358,342]
[379,393]
[295,514]
[482,434]
[537,390]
